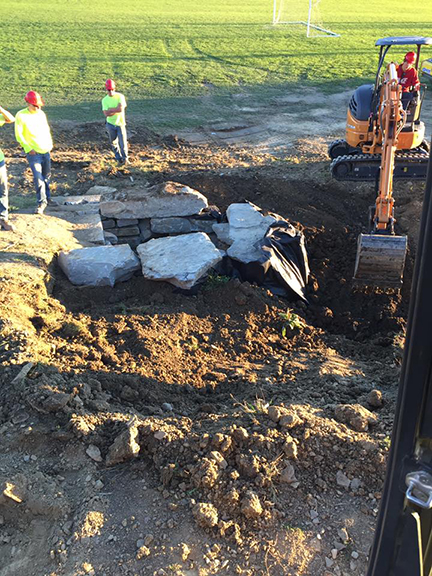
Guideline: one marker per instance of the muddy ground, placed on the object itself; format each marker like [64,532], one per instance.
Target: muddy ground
[256,437]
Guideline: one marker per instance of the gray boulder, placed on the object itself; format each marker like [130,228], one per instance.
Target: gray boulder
[160,201]
[180,260]
[99,266]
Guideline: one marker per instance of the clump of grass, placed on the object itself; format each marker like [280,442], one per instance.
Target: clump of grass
[215,281]
[74,329]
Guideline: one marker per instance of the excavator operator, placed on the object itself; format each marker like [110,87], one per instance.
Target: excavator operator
[408,78]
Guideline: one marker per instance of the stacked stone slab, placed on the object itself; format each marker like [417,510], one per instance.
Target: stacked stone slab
[135,215]
[245,228]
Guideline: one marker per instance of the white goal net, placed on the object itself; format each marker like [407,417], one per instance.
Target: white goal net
[304,13]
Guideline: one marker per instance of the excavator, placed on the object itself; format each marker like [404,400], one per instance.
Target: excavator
[358,156]
[380,258]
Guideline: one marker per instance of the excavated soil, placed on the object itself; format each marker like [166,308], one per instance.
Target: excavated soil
[262,425]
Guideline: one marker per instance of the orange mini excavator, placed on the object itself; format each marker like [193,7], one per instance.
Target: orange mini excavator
[358,156]
[381,254]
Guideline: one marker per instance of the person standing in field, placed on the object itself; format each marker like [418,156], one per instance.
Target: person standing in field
[34,135]
[113,108]
[5,118]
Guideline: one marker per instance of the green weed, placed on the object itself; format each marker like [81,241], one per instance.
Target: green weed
[291,321]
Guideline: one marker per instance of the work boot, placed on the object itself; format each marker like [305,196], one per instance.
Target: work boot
[7,226]
[41,208]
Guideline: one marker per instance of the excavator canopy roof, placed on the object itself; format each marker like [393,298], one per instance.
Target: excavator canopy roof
[401,40]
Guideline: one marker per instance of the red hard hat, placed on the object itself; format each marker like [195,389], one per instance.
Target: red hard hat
[34,98]
[110,84]
[410,57]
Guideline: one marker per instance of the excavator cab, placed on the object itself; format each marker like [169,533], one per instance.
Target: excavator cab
[358,156]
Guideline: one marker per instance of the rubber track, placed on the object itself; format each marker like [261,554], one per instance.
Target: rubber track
[402,160]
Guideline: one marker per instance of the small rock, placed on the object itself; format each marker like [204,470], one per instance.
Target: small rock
[94,453]
[140,543]
[205,514]
[167,407]
[288,474]
[240,434]
[355,415]
[290,448]
[354,555]
[125,447]
[250,505]
[375,399]
[274,413]
[355,484]
[20,417]
[148,539]
[184,551]
[289,421]
[160,435]
[98,484]
[342,480]
[143,552]
[329,562]
[343,535]
[334,553]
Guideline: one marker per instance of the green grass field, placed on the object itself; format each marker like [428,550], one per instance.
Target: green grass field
[164,53]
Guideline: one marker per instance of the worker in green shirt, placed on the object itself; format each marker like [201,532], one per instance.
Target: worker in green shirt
[113,108]
[5,118]
[33,133]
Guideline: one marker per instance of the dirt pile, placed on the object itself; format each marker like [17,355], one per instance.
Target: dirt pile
[225,432]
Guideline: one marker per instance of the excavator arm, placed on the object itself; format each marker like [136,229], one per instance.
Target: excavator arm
[381,255]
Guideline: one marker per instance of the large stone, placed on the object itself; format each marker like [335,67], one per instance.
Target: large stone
[244,215]
[180,260]
[99,266]
[246,226]
[174,225]
[101,190]
[76,200]
[124,222]
[145,230]
[160,201]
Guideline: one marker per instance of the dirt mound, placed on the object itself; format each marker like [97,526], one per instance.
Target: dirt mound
[227,430]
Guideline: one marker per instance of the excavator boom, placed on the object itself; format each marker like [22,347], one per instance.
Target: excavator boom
[381,255]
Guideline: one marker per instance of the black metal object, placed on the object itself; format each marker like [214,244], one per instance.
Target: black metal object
[403,537]
[366,167]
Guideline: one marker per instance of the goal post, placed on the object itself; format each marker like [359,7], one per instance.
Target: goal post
[304,13]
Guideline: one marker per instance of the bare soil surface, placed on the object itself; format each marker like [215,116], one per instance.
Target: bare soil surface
[247,446]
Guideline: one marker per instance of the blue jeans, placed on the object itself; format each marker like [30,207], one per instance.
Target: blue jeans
[118,139]
[40,165]
[4,204]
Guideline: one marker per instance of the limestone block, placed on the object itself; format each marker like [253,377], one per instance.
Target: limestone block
[181,260]
[170,225]
[160,201]
[145,230]
[245,215]
[110,238]
[99,266]
[130,231]
[123,222]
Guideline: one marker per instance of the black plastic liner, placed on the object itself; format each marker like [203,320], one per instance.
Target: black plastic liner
[283,266]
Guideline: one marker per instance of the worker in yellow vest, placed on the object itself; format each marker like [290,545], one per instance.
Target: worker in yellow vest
[34,135]
[5,118]
[113,108]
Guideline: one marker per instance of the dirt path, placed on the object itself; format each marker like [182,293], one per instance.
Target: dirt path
[259,453]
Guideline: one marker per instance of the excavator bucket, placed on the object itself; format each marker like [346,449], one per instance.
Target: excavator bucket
[380,260]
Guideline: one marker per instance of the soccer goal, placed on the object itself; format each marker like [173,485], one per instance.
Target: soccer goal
[302,12]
